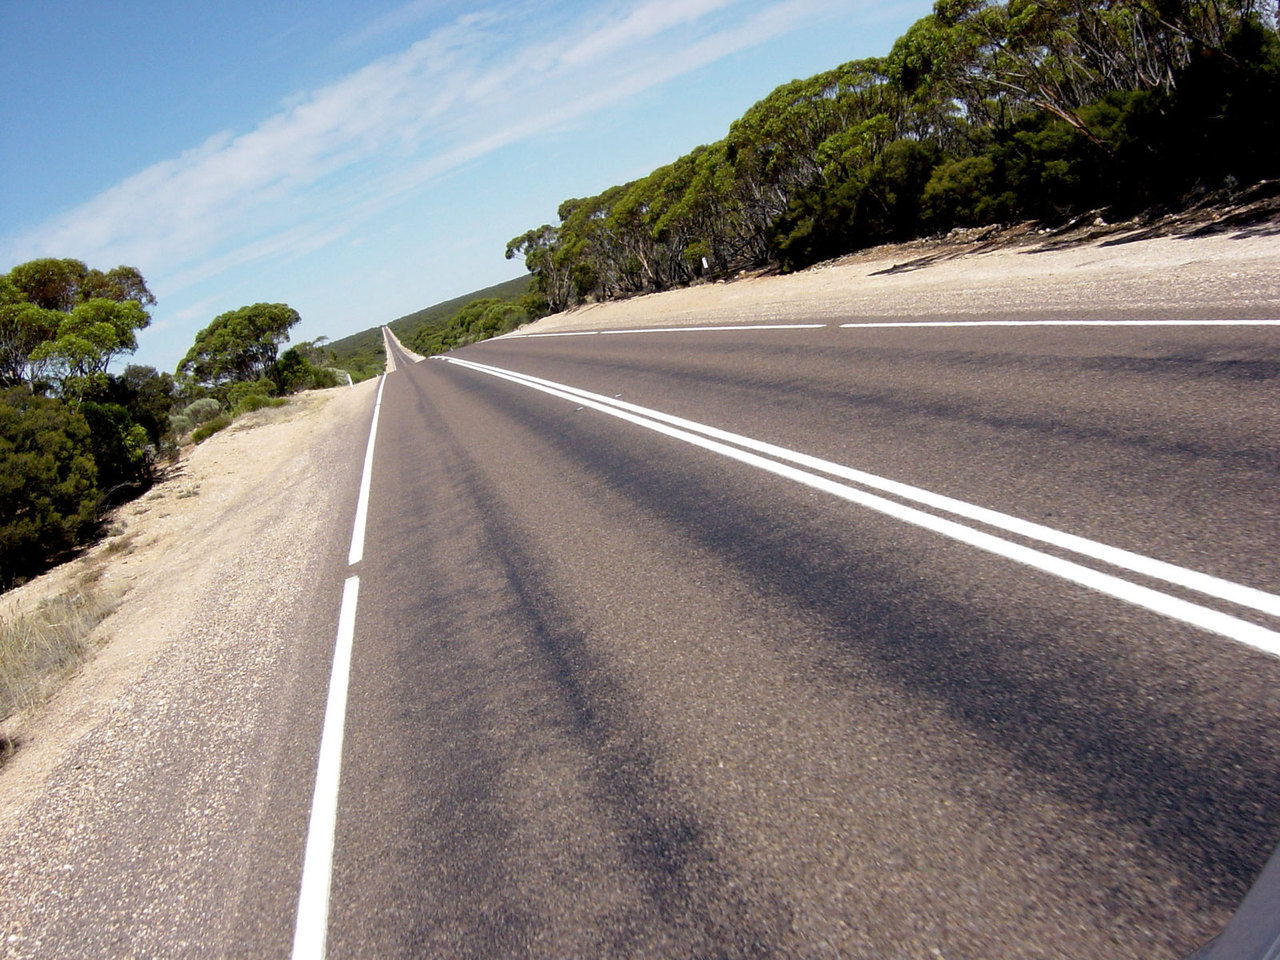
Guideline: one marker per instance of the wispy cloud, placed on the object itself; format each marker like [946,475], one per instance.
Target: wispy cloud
[398,19]
[643,23]
[302,177]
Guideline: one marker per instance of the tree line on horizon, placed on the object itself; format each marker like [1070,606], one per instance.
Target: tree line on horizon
[75,438]
[983,112]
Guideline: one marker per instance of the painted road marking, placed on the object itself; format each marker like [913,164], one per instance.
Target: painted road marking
[311,926]
[900,323]
[718,441]
[356,553]
[534,336]
[1135,562]
[389,337]
[696,329]
[1064,323]
[386,348]
[724,329]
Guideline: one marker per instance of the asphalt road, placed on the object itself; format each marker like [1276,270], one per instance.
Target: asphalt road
[879,642]
[626,691]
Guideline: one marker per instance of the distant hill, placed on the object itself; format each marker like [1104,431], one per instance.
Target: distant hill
[362,354]
[408,326]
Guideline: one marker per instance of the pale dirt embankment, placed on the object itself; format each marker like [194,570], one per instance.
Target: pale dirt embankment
[1092,272]
[227,492]
[223,504]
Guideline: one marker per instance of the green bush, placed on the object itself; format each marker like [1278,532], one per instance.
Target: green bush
[210,427]
[294,372]
[121,448]
[202,410]
[48,482]
[878,202]
[256,401]
[240,391]
[965,193]
[324,377]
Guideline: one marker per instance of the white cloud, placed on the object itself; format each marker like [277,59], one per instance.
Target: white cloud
[302,177]
[400,18]
[643,23]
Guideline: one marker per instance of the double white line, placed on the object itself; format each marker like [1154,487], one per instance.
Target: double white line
[837,479]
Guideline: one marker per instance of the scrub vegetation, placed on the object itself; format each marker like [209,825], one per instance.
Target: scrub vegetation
[76,439]
[40,648]
[453,323]
[982,113]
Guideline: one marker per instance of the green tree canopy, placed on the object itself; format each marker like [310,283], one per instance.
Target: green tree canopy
[61,320]
[61,284]
[983,111]
[239,344]
[88,338]
[48,480]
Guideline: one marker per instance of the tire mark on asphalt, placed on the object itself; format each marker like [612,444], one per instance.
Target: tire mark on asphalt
[700,911]
[1121,742]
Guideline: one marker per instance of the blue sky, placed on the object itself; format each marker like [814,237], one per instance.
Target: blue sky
[361,160]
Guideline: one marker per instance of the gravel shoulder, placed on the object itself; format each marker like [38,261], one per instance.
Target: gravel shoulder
[165,549]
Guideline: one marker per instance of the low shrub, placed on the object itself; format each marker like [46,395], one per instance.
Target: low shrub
[210,427]
[40,647]
[256,401]
[49,490]
[202,410]
[242,390]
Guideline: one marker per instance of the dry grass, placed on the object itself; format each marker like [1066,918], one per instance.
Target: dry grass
[39,648]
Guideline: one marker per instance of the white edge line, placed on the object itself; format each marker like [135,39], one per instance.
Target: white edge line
[386,347]
[366,478]
[1206,618]
[1064,323]
[311,926]
[534,336]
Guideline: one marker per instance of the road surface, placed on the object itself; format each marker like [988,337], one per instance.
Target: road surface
[617,691]
[894,642]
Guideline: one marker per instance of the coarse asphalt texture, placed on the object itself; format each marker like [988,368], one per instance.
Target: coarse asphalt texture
[616,695]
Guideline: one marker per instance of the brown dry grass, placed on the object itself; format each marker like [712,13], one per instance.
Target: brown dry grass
[40,647]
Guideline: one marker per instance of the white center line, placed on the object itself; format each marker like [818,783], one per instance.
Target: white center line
[718,441]
[694,329]
[356,553]
[725,329]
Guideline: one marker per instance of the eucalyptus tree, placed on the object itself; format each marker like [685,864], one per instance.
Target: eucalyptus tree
[239,345]
[62,322]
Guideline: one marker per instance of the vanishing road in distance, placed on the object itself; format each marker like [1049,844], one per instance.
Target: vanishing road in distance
[836,641]
[904,642]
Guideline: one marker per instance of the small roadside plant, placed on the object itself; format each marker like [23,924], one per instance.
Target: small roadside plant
[40,647]
[210,427]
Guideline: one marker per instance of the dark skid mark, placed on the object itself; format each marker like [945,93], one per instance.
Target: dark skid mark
[472,905]
[703,909]
[1093,734]
[664,842]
